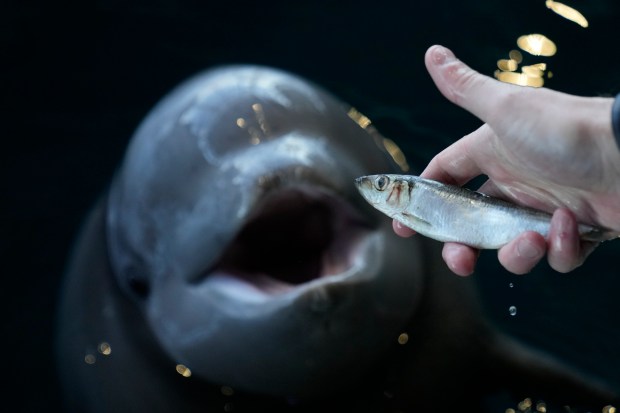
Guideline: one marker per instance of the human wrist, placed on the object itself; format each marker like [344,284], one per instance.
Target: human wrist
[615,119]
[603,136]
[605,131]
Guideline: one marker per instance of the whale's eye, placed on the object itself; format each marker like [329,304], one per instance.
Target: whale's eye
[136,283]
[139,286]
[381,182]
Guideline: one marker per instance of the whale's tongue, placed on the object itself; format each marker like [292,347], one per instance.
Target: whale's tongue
[294,237]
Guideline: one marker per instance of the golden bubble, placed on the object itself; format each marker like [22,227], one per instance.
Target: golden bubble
[183,370]
[549,75]
[525,404]
[396,153]
[241,122]
[359,118]
[520,79]
[537,45]
[227,391]
[516,56]
[105,348]
[541,407]
[507,65]
[255,135]
[609,409]
[403,338]
[541,66]
[510,410]
[90,359]
[567,12]
[532,71]
[260,117]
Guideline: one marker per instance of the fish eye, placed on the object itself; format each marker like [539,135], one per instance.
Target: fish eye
[381,182]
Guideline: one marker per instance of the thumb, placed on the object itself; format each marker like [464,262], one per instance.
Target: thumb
[478,94]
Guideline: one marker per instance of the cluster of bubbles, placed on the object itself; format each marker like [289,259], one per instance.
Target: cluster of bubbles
[527,405]
[536,45]
[103,348]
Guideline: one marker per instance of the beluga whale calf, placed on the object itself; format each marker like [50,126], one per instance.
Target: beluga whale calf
[232,263]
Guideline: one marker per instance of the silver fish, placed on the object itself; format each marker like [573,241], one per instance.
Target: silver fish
[451,213]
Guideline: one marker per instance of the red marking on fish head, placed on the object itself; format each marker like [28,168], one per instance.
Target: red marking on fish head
[395,192]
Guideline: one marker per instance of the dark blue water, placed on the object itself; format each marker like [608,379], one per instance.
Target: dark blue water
[76,80]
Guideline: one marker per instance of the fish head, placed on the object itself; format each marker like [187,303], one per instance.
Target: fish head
[234,225]
[389,193]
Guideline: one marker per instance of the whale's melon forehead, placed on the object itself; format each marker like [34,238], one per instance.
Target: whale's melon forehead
[236,108]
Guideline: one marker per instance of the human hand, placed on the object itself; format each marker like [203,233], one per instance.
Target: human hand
[541,148]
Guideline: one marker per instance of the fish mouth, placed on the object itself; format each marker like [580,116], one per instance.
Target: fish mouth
[294,236]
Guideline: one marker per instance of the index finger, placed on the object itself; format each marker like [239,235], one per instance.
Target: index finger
[462,161]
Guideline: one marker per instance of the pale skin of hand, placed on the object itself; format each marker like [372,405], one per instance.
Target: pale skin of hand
[541,148]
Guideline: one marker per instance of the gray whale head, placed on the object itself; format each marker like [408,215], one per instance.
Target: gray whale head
[232,242]
[234,225]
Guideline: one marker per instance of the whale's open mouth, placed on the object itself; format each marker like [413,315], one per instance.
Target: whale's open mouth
[296,235]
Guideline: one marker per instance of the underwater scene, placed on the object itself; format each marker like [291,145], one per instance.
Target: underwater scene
[184,233]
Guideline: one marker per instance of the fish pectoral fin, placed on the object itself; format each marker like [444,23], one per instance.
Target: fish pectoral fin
[414,222]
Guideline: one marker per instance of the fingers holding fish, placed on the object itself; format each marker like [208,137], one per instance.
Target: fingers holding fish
[565,249]
[402,230]
[458,164]
[460,258]
[522,254]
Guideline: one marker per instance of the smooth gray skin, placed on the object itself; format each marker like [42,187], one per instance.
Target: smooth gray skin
[159,272]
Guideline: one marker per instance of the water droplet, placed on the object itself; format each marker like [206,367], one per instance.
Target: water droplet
[227,390]
[511,285]
[512,310]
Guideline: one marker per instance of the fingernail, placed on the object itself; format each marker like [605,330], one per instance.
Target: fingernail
[440,55]
[402,230]
[564,229]
[452,255]
[526,249]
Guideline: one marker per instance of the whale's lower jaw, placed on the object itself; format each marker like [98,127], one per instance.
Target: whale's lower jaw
[337,325]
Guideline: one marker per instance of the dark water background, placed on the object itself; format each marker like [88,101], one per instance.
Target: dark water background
[77,79]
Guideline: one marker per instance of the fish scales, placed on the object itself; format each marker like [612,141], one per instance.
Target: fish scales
[450,213]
